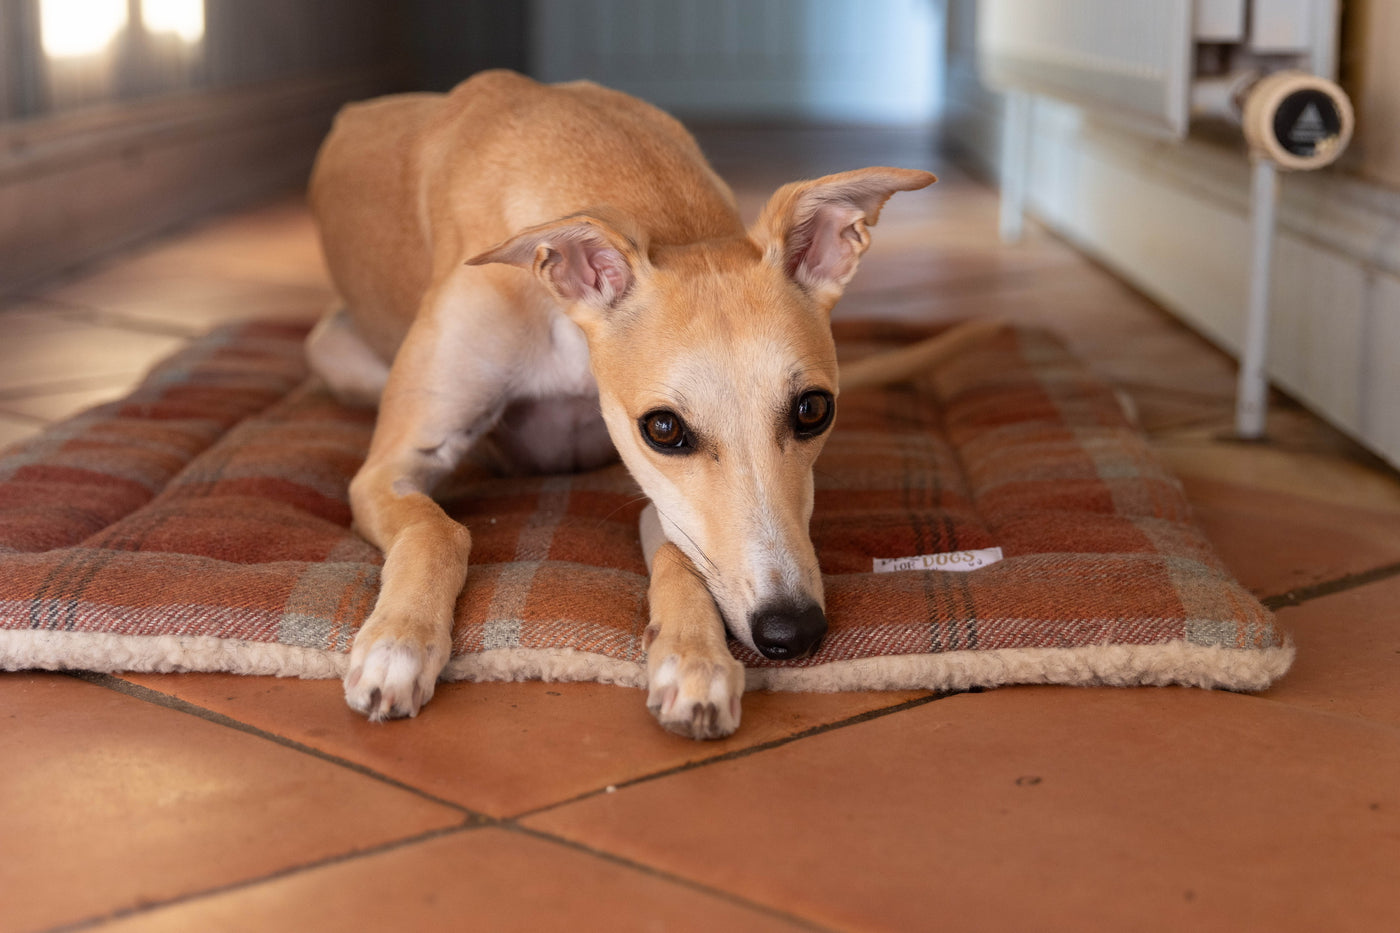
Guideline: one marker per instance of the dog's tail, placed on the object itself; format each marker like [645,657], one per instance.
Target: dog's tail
[906,363]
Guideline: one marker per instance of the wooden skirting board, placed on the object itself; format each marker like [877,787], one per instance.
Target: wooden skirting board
[74,187]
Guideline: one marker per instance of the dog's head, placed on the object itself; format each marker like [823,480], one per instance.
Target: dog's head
[717,379]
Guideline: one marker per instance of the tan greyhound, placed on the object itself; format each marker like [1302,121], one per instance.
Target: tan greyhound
[558,266]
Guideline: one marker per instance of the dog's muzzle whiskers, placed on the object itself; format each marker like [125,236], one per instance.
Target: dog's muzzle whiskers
[714,568]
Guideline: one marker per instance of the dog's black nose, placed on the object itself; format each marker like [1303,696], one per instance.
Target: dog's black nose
[787,632]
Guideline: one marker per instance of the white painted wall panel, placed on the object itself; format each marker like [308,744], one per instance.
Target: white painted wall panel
[839,60]
[1318,316]
[1380,365]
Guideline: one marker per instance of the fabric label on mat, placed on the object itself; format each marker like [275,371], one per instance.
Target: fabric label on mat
[952,560]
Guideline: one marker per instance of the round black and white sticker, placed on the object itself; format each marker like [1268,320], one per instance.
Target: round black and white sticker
[1305,120]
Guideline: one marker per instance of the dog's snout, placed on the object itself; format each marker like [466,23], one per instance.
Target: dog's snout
[788,632]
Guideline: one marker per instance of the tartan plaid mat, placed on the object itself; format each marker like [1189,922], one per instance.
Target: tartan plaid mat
[202,524]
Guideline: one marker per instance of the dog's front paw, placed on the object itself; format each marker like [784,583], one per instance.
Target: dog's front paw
[693,696]
[392,677]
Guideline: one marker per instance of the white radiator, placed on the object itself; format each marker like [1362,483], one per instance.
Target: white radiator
[1156,64]
[1144,62]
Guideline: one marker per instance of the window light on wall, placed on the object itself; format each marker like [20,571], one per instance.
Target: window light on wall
[77,28]
[74,28]
[183,18]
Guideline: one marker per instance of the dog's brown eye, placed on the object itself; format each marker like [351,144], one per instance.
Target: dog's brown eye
[665,431]
[812,413]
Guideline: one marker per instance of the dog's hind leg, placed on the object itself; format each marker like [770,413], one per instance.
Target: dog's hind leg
[338,354]
[694,684]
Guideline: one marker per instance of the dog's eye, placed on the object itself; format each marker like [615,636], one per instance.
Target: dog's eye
[665,431]
[812,413]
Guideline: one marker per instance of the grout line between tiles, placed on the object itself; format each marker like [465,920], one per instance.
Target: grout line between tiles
[472,819]
[1177,393]
[139,692]
[654,872]
[23,417]
[396,844]
[744,752]
[101,317]
[115,381]
[149,906]
[1168,432]
[1351,581]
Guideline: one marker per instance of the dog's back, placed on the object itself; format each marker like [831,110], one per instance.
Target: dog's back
[361,193]
[499,153]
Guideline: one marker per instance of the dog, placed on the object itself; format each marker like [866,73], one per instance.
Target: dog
[558,267]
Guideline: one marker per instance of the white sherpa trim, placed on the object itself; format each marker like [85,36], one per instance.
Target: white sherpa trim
[553,664]
[1176,662]
[92,651]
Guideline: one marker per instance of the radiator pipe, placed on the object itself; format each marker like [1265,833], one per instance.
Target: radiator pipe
[1252,392]
[1293,121]
[1015,165]
[1222,97]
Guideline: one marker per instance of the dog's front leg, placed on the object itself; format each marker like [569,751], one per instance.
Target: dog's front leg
[693,683]
[406,641]
[433,409]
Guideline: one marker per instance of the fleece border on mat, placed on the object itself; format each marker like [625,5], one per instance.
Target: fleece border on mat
[1107,665]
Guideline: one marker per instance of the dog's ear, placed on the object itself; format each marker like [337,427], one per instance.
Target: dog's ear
[584,258]
[815,231]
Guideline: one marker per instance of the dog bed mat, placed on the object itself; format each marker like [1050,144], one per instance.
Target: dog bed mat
[201,524]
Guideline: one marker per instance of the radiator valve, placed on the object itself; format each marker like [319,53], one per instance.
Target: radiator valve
[1296,120]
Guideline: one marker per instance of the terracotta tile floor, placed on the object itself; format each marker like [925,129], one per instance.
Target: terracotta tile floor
[192,802]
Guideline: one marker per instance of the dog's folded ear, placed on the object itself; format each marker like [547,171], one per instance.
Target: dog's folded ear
[815,231]
[583,258]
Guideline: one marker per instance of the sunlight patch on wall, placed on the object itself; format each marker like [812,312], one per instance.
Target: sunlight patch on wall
[74,28]
[184,18]
[78,28]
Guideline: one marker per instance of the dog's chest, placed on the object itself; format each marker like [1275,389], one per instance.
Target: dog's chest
[562,367]
[553,424]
